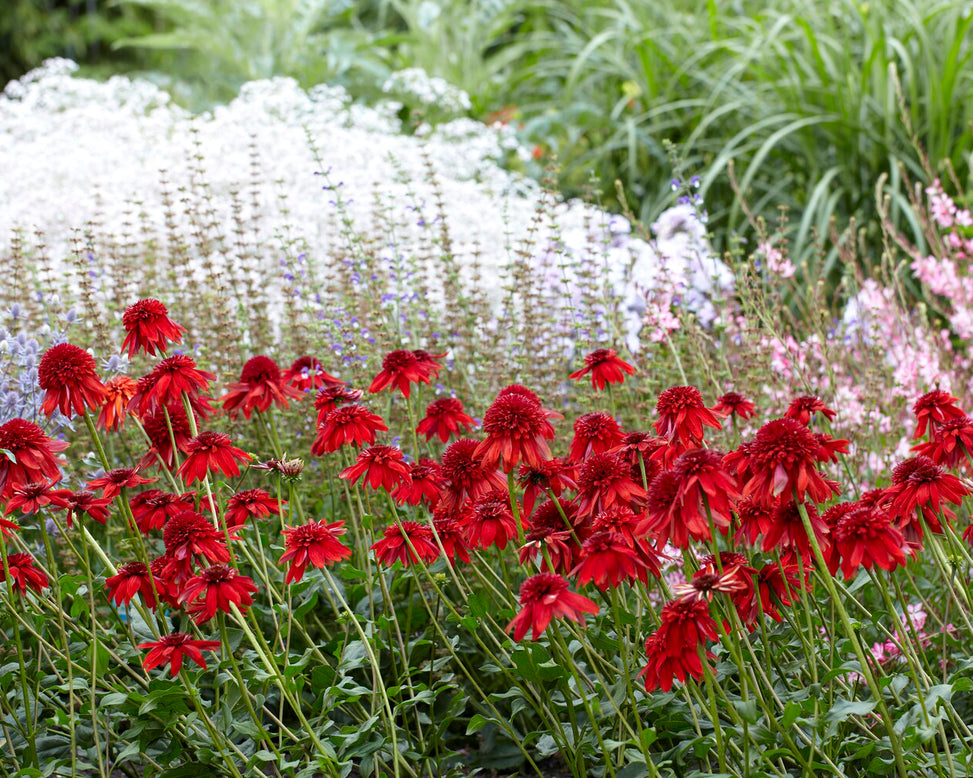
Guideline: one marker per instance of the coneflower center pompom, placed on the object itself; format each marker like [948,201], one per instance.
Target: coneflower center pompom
[514,415]
[782,441]
[600,471]
[64,365]
[544,587]
[259,370]
[460,464]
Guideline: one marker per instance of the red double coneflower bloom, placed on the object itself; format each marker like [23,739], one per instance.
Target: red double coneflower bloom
[401,369]
[166,383]
[920,486]
[753,521]
[170,650]
[443,419]
[543,598]
[382,467]
[31,455]
[781,460]
[786,530]
[803,408]
[407,543]
[347,425]
[211,452]
[315,544]
[332,396]
[555,537]
[130,579]
[23,574]
[605,480]
[517,429]
[118,393]
[113,481]
[148,328]
[260,386]
[30,498]
[491,522]
[153,507]
[734,404]
[934,408]
[188,537]
[85,503]
[605,366]
[553,476]
[425,484]
[448,525]
[214,589]
[703,484]
[594,433]
[673,649]
[466,477]
[307,374]
[951,444]
[682,416]
[157,426]
[250,503]
[607,559]
[866,537]
[68,377]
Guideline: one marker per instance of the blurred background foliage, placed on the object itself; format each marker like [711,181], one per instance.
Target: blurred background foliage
[812,102]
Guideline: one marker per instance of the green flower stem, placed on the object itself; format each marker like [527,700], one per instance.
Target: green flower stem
[714,713]
[263,651]
[208,723]
[92,684]
[852,636]
[515,507]
[31,756]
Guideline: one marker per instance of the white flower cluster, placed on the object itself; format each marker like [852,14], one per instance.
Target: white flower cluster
[416,85]
[82,154]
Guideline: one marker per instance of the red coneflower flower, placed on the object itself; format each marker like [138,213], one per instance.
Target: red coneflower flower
[934,408]
[787,531]
[702,482]
[165,385]
[705,584]
[662,508]
[605,480]
[919,485]
[113,481]
[553,476]
[754,520]
[525,392]
[250,503]
[260,386]
[682,416]
[466,477]
[803,408]
[170,650]
[307,373]
[381,466]
[350,424]
[866,537]
[594,433]
[23,574]
[425,484]
[428,361]
[672,651]
[316,544]
[165,585]
[130,579]
[951,443]
[148,327]
[30,498]
[544,597]
[157,430]
[396,540]
[448,524]
[734,404]
[153,507]
[607,558]
[85,503]
[829,448]
[188,536]
[30,455]
[443,419]
[553,539]
[67,374]
[331,396]
[622,521]
[211,452]
[781,461]
[516,429]
[605,366]
[118,393]
[213,589]
[491,522]
[776,586]
[400,369]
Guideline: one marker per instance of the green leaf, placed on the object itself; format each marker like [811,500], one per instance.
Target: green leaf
[477,722]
